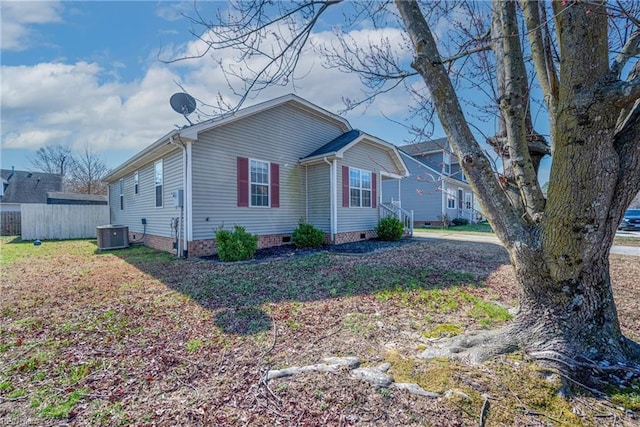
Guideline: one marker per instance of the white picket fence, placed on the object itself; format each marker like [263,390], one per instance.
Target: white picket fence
[40,221]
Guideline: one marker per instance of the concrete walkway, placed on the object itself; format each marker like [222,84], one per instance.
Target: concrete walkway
[490,238]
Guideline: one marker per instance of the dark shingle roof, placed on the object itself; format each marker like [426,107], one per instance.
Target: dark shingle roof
[425,147]
[28,187]
[337,144]
[57,198]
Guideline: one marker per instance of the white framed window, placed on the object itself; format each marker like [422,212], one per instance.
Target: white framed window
[158,177]
[121,194]
[259,183]
[468,201]
[135,183]
[451,199]
[359,188]
[446,162]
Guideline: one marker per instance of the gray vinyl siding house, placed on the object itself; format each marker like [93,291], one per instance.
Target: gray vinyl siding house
[435,190]
[266,168]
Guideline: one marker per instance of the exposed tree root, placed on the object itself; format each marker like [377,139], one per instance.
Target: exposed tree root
[473,347]
[616,368]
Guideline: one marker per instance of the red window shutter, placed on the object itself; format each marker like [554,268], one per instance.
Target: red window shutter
[374,191]
[243,182]
[345,186]
[275,185]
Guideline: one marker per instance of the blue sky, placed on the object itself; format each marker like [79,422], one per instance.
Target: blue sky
[87,74]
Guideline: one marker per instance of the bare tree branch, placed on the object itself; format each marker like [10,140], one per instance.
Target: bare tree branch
[472,159]
[541,51]
[629,50]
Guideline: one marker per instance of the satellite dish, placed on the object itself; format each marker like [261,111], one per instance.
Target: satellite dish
[183,103]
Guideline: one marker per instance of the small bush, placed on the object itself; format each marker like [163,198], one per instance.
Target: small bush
[307,236]
[236,245]
[390,229]
[460,221]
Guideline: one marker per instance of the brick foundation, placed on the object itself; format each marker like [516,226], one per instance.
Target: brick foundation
[428,223]
[198,248]
[156,242]
[355,236]
[269,240]
[207,247]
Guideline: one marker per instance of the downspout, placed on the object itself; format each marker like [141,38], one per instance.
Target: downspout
[306,192]
[188,194]
[334,208]
[183,239]
[443,201]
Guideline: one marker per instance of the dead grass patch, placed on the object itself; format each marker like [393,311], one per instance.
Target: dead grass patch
[135,337]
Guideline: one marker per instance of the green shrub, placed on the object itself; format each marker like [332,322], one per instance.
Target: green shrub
[236,245]
[460,221]
[390,229]
[307,236]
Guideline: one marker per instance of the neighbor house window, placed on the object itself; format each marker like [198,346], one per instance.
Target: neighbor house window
[359,188]
[468,201]
[259,183]
[122,194]
[451,199]
[446,162]
[135,183]
[158,181]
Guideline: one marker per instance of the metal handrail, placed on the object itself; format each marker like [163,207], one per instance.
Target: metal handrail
[405,216]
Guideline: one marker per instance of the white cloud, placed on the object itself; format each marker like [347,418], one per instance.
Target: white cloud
[18,19]
[173,11]
[66,104]
[76,105]
[32,138]
[325,86]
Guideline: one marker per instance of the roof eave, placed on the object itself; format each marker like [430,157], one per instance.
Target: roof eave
[191,133]
[320,158]
[141,157]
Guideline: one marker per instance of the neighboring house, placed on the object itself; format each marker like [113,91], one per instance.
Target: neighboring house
[266,168]
[20,187]
[436,189]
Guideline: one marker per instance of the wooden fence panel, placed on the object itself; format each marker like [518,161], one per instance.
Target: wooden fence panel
[41,221]
[11,224]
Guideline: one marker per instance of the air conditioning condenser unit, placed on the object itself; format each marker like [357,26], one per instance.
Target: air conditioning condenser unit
[112,236]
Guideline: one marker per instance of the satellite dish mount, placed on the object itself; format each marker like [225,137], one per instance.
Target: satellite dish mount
[183,103]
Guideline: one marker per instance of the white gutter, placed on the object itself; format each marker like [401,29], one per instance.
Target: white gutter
[334,206]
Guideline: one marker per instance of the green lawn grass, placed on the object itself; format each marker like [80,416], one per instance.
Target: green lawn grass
[482,227]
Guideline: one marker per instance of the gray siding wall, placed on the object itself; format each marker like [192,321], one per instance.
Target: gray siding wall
[370,158]
[420,192]
[319,196]
[433,160]
[460,211]
[281,135]
[143,204]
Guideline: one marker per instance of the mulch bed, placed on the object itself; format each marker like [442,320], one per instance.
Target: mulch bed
[356,248]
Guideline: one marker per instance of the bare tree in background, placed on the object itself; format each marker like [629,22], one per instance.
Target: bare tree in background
[54,159]
[87,173]
[489,63]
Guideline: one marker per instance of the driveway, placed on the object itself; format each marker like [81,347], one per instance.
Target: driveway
[489,238]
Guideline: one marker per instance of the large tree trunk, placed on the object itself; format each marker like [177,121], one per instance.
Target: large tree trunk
[559,248]
[572,322]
